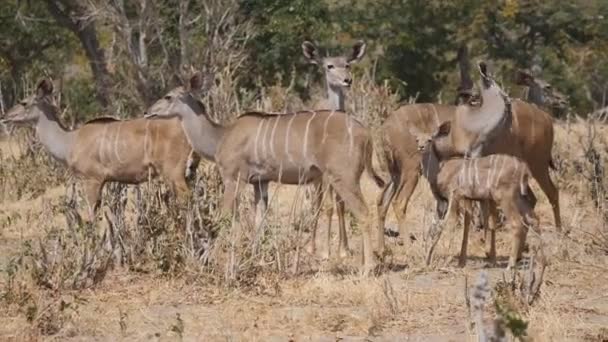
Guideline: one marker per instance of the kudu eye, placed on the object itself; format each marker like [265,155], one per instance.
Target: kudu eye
[168,97]
[330,66]
[347,66]
[23,103]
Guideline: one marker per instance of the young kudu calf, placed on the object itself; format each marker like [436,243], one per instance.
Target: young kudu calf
[530,137]
[293,148]
[108,150]
[338,78]
[501,178]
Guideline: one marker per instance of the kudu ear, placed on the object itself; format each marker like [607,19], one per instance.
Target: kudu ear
[44,88]
[358,52]
[196,82]
[483,68]
[444,129]
[310,52]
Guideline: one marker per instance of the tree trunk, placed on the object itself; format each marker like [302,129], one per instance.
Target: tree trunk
[74,17]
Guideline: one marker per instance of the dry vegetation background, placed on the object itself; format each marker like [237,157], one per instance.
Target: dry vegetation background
[148,270]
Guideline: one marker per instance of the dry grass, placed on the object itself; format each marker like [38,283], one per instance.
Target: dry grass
[151,270]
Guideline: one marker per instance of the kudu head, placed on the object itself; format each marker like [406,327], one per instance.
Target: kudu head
[489,87]
[437,143]
[31,108]
[181,101]
[336,69]
[434,148]
[541,92]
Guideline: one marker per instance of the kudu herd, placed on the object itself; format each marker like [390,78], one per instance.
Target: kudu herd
[484,149]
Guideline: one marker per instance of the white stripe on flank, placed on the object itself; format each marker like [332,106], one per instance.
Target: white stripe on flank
[255,142]
[274,128]
[476,165]
[264,142]
[102,143]
[500,171]
[325,127]
[304,149]
[470,163]
[489,176]
[116,139]
[293,116]
[462,173]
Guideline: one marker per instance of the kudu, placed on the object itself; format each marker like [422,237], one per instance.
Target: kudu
[106,149]
[338,77]
[500,178]
[541,93]
[530,137]
[293,148]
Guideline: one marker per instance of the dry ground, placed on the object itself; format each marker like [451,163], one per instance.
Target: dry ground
[328,302]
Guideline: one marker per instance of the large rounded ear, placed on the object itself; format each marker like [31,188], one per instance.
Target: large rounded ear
[444,129]
[358,52]
[44,88]
[310,52]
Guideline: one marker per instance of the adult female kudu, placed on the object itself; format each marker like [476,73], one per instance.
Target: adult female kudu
[106,149]
[293,148]
[338,78]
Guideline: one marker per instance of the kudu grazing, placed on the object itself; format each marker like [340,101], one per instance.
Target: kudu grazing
[106,149]
[338,78]
[500,178]
[529,137]
[294,148]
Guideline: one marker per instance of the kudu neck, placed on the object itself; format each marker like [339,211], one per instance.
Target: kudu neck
[203,134]
[535,95]
[430,169]
[55,138]
[336,97]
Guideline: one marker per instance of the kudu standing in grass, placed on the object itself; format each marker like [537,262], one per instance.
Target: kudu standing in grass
[294,148]
[338,78]
[106,149]
[499,178]
[530,138]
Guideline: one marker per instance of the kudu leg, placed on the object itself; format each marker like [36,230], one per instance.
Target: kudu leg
[230,200]
[490,223]
[541,174]
[519,230]
[343,249]
[350,192]
[382,204]
[92,192]
[402,198]
[317,201]
[329,213]
[467,206]
[260,191]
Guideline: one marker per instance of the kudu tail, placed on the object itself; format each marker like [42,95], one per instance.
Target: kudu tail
[370,169]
